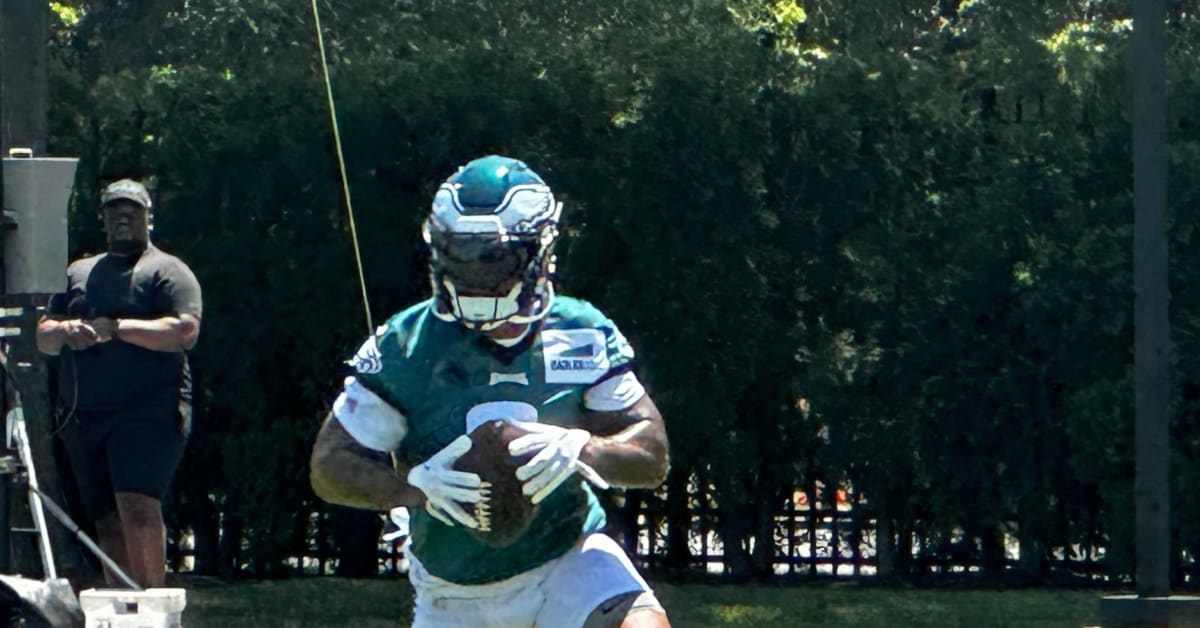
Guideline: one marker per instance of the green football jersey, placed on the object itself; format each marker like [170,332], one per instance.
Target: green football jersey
[435,372]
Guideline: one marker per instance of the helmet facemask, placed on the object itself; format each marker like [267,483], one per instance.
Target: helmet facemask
[485,275]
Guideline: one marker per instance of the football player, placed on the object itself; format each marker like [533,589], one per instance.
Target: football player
[496,342]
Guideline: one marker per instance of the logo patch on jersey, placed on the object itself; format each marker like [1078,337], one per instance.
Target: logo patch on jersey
[574,356]
[367,359]
[509,378]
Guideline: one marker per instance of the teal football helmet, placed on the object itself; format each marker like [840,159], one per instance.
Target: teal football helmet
[491,235]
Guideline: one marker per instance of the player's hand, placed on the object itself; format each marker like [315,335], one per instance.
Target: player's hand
[446,489]
[78,335]
[557,458]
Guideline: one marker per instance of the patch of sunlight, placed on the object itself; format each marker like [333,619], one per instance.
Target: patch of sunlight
[68,15]
[788,13]
[1023,274]
[1080,34]
[743,614]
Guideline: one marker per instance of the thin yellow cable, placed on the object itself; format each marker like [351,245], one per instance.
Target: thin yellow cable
[337,144]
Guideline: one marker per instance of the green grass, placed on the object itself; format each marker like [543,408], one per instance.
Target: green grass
[697,606]
[379,603]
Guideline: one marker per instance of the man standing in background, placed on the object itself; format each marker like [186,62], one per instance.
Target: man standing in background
[127,319]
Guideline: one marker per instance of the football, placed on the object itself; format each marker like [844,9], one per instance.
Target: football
[505,513]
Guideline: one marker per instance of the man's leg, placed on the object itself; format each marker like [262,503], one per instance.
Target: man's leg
[145,538]
[140,481]
[85,439]
[112,540]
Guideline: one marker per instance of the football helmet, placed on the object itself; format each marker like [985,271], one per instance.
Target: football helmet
[491,235]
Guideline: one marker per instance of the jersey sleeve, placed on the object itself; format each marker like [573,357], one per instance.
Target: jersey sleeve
[368,363]
[370,420]
[368,407]
[620,352]
[618,388]
[614,393]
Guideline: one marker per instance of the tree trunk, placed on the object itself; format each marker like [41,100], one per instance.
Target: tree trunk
[231,545]
[356,540]
[678,520]
[885,547]
[991,541]
[733,525]
[762,557]
[206,536]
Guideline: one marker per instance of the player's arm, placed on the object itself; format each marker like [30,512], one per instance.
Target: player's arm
[628,447]
[619,440]
[343,471]
[350,463]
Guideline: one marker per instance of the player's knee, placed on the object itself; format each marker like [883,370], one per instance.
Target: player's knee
[631,610]
[646,618]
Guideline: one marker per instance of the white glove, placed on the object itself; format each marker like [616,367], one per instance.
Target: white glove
[397,524]
[557,458]
[445,489]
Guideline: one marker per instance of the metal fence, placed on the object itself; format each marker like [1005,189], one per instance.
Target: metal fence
[834,538]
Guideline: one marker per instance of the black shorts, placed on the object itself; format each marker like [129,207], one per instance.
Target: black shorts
[132,450]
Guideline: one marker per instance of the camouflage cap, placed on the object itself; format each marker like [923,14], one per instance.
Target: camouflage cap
[126,189]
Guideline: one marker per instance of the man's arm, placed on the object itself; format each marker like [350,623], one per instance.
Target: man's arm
[53,334]
[628,447]
[344,472]
[169,333]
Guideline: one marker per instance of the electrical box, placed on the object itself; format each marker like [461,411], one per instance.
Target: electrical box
[37,191]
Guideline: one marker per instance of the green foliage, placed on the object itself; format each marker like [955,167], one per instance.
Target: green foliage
[912,218]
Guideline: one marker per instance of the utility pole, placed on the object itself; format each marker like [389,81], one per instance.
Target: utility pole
[24,31]
[1153,605]
[1152,328]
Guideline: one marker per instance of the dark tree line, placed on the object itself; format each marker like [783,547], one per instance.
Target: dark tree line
[882,245]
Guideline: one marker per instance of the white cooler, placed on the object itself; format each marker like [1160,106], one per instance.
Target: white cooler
[123,608]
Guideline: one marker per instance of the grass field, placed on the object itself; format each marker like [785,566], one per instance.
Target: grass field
[379,603]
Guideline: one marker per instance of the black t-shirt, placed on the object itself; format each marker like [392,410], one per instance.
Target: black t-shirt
[109,375]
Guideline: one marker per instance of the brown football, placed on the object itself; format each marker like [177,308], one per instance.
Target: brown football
[505,513]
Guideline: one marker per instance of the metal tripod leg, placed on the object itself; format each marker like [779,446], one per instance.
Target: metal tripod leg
[20,437]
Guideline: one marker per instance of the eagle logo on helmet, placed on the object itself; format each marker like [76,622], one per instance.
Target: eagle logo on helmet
[491,233]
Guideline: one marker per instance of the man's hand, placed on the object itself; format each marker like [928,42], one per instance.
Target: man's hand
[105,328]
[557,458]
[446,489]
[78,335]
